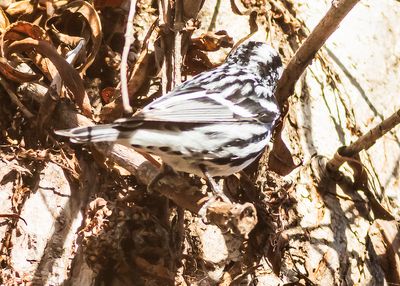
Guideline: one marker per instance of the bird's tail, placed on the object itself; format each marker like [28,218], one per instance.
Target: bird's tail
[97,133]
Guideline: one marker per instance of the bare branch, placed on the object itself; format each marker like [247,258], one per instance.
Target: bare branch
[124,60]
[178,26]
[163,22]
[304,55]
[364,142]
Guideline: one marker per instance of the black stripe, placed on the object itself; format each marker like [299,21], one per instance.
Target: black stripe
[89,136]
[268,71]
[128,125]
[236,161]
[251,156]
[156,125]
[244,52]
[252,139]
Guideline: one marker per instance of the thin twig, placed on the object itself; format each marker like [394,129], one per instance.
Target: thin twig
[164,76]
[364,142]
[253,29]
[307,51]
[178,26]
[162,24]
[13,216]
[213,21]
[124,60]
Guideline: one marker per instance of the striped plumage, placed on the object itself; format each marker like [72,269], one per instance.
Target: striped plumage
[220,121]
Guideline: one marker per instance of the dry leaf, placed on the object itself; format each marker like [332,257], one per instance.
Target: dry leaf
[4,22]
[211,41]
[69,75]
[14,68]
[78,20]
[140,72]
[20,7]
[280,159]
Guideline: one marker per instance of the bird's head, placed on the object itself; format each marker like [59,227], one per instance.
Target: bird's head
[259,57]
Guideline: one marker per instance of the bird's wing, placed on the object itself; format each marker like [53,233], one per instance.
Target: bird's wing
[194,105]
[199,105]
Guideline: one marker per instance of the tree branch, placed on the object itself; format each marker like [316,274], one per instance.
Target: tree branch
[307,51]
[364,142]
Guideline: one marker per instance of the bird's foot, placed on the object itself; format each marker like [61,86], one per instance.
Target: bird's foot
[217,194]
[203,210]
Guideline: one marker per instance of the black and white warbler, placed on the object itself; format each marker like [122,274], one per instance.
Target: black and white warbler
[214,124]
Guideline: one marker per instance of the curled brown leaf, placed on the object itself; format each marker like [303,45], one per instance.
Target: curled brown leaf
[20,7]
[11,68]
[69,75]
[77,18]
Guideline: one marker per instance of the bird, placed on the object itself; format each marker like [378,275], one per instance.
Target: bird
[213,125]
